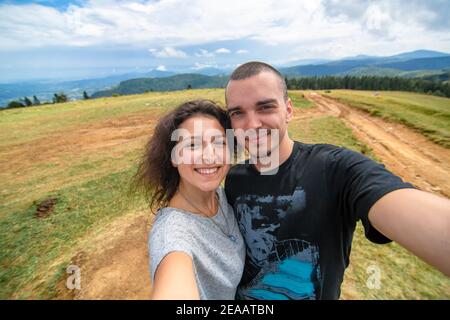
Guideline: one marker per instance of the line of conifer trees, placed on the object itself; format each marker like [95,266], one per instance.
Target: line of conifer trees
[438,88]
[26,102]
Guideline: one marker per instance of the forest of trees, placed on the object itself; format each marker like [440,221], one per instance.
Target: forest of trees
[26,102]
[375,83]
[370,83]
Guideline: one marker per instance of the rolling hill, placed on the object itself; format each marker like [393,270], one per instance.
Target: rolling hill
[376,66]
[177,82]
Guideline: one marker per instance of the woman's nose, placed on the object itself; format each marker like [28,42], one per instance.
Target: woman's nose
[208,154]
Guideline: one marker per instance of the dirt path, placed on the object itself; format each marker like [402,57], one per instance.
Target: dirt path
[404,151]
[117,267]
[114,263]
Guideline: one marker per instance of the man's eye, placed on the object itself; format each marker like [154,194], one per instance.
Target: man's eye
[267,107]
[235,113]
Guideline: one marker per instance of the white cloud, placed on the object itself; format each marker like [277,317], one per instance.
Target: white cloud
[161,68]
[204,53]
[199,66]
[223,50]
[168,52]
[313,27]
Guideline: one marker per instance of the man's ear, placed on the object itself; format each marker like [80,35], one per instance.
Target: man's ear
[289,110]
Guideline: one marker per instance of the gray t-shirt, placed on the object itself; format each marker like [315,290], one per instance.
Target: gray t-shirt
[218,261]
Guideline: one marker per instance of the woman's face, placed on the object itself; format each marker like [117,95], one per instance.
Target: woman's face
[201,155]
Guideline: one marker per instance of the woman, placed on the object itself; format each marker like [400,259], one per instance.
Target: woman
[196,249]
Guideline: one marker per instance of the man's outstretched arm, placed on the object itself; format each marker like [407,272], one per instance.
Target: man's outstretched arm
[418,221]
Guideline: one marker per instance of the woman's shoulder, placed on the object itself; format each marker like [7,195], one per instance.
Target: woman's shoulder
[171,229]
[171,217]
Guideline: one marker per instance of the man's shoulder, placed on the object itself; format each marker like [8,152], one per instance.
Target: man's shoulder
[314,152]
[321,151]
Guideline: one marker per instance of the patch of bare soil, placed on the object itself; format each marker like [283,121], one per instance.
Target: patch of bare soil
[82,140]
[116,266]
[45,208]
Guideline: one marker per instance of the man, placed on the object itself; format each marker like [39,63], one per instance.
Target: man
[298,216]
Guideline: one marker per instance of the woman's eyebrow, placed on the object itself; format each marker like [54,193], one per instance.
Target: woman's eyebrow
[191,138]
[218,136]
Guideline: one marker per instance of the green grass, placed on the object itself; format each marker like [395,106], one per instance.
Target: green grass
[330,130]
[299,100]
[91,190]
[30,245]
[403,276]
[26,124]
[428,114]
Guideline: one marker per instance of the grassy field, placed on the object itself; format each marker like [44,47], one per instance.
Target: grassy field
[84,154]
[428,114]
[299,101]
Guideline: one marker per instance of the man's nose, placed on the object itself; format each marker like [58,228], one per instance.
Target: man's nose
[253,121]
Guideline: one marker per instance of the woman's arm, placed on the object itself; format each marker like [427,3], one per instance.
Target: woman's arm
[175,278]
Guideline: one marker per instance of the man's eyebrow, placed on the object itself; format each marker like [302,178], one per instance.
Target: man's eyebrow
[233,109]
[267,101]
[259,103]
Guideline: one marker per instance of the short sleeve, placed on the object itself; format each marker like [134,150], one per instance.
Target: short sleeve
[168,234]
[359,182]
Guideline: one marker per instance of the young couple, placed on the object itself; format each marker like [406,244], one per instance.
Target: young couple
[280,229]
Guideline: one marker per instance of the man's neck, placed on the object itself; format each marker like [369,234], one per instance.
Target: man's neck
[284,150]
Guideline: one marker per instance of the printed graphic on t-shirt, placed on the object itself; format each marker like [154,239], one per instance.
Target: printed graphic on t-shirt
[276,268]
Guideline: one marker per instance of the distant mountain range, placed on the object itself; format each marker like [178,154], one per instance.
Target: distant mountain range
[425,64]
[44,90]
[380,66]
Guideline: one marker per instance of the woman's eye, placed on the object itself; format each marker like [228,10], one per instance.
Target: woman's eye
[219,145]
[193,146]
[219,142]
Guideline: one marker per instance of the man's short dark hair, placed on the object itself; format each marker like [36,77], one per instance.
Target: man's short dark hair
[254,68]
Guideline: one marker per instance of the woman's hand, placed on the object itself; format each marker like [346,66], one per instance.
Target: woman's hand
[175,278]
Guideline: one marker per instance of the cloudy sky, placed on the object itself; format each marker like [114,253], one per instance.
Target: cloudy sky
[51,39]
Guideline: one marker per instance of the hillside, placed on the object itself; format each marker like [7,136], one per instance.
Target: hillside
[44,90]
[369,66]
[176,82]
[83,155]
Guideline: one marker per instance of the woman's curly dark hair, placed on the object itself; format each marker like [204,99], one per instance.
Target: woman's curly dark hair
[156,174]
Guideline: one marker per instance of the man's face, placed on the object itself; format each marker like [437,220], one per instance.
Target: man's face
[257,104]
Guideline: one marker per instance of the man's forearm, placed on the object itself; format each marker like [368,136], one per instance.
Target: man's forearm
[417,220]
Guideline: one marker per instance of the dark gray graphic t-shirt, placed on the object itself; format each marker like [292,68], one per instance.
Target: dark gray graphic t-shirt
[298,224]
